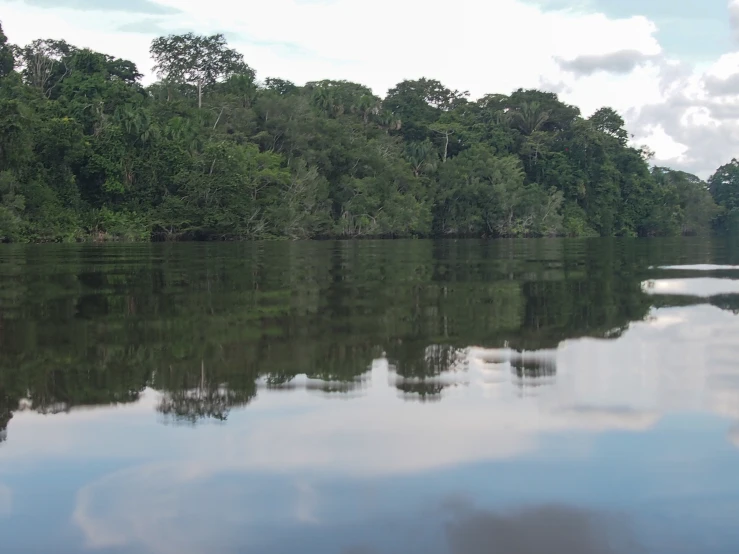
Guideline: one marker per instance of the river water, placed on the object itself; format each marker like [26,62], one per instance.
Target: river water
[512,397]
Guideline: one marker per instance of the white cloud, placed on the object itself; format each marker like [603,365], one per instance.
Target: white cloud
[734,17]
[477,46]
[696,116]
[662,143]
[619,62]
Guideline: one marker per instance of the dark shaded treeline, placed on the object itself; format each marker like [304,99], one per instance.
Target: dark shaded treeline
[205,323]
[208,152]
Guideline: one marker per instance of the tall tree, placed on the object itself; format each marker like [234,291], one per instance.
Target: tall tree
[418,104]
[529,117]
[690,205]
[608,121]
[7,60]
[724,187]
[560,117]
[44,63]
[196,60]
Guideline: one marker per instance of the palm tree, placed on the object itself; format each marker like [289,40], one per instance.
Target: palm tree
[183,130]
[136,123]
[323,99]
[389,121]
[367,105]
[529,117]
[421,156]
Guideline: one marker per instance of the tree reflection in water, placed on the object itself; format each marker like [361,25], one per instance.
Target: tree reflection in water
[209,325]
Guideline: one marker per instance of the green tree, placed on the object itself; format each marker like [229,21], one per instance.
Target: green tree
[691,207]
[608,121]
[724,187]
[7,59]
[12,205]
[88,153]
[481,193]
[418,104]
[422,156]
[200,61]
[44,64]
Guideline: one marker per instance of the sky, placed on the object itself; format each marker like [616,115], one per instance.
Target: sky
[670,67]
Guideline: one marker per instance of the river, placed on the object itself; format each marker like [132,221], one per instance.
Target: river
[444,397]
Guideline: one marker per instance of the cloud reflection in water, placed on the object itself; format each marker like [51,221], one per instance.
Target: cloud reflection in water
[294,465]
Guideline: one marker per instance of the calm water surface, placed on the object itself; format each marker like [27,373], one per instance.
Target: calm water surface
[462,397]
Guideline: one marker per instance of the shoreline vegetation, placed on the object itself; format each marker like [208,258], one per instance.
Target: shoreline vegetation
[209,152]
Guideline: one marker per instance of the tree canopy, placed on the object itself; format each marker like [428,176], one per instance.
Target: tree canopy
[196,60]
[210,152]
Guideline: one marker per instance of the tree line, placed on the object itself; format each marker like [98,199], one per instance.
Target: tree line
[210,152]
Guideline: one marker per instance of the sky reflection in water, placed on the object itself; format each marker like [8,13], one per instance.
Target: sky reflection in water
[626,440]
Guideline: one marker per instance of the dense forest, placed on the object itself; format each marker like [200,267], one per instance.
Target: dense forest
[210,152]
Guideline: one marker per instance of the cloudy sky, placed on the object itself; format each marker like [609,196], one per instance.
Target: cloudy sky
[671,67]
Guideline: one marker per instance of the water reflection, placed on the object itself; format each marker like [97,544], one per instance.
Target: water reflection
[460,396]
[539,529]
[210,328]
[734,435]
[86,326]
[699,287]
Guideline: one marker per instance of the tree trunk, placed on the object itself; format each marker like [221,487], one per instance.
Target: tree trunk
[200,94]
[219,118]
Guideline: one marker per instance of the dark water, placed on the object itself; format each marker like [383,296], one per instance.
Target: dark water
[462,397]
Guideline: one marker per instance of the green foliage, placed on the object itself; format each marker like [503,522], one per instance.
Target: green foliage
[196,60]
[210,153]
[724,188]
[606,120]
[229,190]
[693,207]
[575,221]
[7,59]
[481,193]
[120,225]
[724,185]
[12,205]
